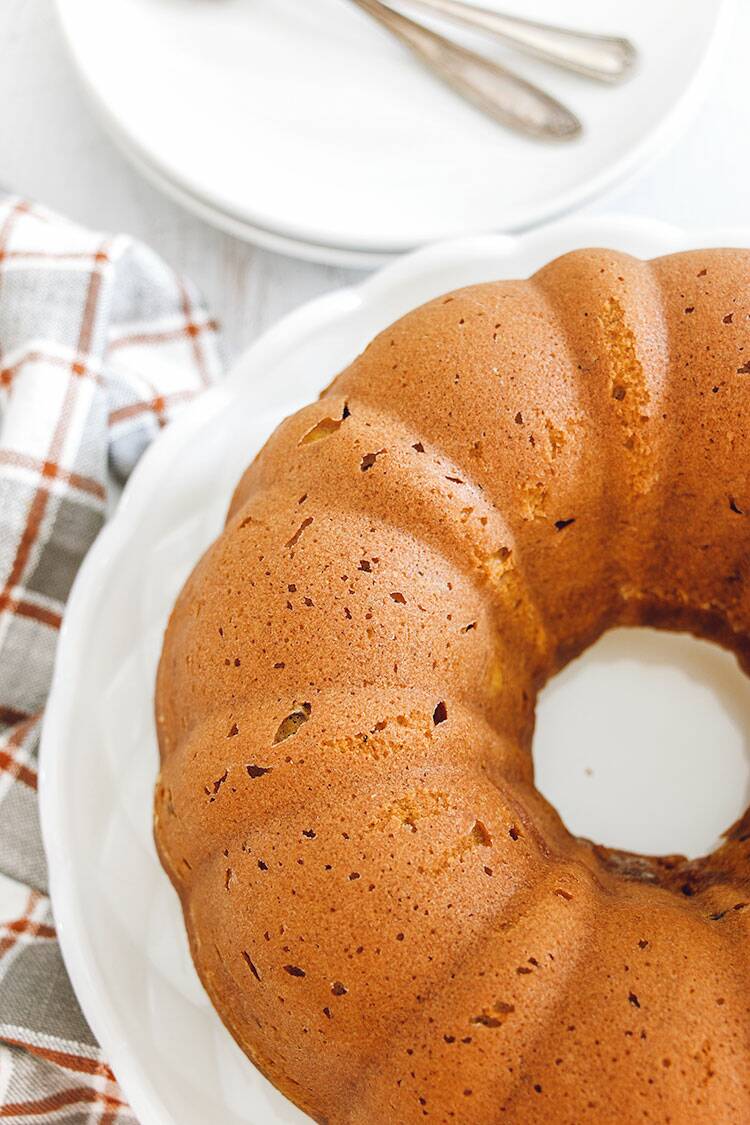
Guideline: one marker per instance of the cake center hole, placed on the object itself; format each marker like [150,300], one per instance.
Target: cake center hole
[643,743]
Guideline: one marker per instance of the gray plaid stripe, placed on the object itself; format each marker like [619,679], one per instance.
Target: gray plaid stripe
[74,526]
[26,660]
[20,841]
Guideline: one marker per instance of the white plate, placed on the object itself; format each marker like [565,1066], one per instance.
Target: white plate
[117,916]
[304,122]
[269,240]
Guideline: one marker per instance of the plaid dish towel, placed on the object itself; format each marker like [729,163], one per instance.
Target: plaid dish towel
[100,343]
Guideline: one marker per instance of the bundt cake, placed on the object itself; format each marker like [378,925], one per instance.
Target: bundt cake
[389,918]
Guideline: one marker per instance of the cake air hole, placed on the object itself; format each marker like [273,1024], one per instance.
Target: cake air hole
[643,743]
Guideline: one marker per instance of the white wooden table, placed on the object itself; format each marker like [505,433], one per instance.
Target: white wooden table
[53,148]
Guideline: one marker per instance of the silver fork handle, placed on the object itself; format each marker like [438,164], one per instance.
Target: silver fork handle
[499,92]
[608,58]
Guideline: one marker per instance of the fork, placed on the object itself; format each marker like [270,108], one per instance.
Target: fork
[495,89]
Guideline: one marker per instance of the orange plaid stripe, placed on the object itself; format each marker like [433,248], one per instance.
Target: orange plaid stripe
[80,1064]
[192,331]
[23,608]
[156,337]
[47,470]
[157,406]
[14,929]
[8,374]
[9,762]
[65,1099]
[10,716]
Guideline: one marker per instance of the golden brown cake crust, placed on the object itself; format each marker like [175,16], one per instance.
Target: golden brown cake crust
[390,919]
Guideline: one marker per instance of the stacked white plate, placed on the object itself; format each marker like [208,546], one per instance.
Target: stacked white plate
[305,128]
